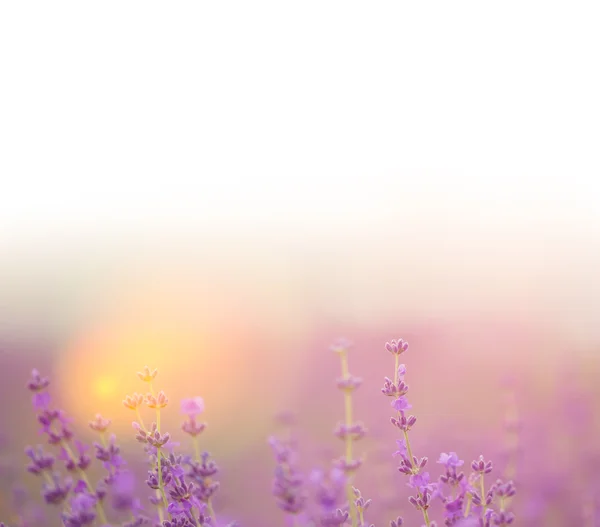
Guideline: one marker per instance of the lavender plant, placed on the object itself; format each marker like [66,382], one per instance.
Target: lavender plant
[181,483]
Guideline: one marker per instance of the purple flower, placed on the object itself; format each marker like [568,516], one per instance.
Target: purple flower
[40,461]
[396,347]
[183,498]
[81,461]
[56,492]
[41,400]
[450,460]
[481,466]
[420,481]
[192,407]
[453,508]
[82,511]
[401,404]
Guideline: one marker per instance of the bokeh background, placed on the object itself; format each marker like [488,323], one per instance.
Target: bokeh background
[220,192]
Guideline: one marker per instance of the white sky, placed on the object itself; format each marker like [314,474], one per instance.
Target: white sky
[319,115]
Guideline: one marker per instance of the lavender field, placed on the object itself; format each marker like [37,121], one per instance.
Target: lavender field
[475,441]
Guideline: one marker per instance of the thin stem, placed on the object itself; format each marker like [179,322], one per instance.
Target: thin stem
[410,454]
[482,487]
[139,418]
[468,507]
[196,447]
[348,437]
[161,487]
[211,511]
[426,517]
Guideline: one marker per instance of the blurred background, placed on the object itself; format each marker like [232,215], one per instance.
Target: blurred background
[221,192]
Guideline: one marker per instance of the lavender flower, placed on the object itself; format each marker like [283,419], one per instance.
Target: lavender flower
[287,482]
[410,465]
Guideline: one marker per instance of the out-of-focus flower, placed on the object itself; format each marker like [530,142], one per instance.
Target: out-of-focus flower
[192,407]
[341,345]
[157,402]
[147,375]
[450,460]
[133,401]
[401,404]
[99,423]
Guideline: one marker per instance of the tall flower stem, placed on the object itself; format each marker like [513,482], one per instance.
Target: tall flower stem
[482,490]
[161,486]
[348,436]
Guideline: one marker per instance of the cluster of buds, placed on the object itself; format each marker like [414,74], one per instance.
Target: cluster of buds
[356,431]
[202,472]
[74,462]
[151,437]
[99,424]
[361,506]
[421,502]
[396,347]
[40,461]
[133,402]
[395,389]
[157,402]
[412,467]
[403,422]
[480,466]
[146,375]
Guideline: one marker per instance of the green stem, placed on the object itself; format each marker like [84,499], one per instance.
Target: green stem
[161,487]
[139,418]
[482,495]
[348,438]
[468,507]
[409,450]
[211,511]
